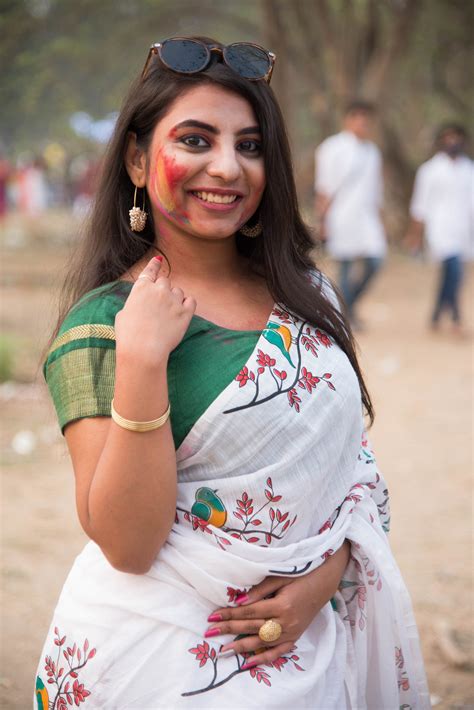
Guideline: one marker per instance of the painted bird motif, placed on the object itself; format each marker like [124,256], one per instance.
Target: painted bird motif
[280,336]
[209,507]
[42,697]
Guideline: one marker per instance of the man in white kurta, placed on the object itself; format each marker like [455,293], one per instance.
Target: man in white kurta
[442,208]
[349,190]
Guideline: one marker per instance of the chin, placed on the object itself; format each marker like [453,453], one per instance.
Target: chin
[215,232]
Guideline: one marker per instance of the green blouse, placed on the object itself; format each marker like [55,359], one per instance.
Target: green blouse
[80,367]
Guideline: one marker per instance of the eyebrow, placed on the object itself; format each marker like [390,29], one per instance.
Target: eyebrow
[191,123]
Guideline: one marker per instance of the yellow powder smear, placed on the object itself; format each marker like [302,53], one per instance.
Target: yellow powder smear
[161,187]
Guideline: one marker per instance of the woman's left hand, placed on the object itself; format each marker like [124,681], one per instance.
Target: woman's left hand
[294,604]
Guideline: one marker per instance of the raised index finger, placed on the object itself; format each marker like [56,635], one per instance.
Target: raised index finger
[152,269]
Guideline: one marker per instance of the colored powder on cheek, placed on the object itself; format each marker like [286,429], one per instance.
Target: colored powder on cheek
[174,173]
[161,186]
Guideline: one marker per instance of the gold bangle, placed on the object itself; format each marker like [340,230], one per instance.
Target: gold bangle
[139,426]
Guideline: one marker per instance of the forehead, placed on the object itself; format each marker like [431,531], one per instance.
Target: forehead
[210,104]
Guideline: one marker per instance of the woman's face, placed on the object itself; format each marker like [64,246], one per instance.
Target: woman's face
[205,171]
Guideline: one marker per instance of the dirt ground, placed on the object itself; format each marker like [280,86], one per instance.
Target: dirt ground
[422,388]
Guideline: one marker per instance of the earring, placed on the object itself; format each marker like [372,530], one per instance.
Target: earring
[252,232]
[137,216]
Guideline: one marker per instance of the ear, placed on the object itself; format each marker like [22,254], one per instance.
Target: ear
[135,161]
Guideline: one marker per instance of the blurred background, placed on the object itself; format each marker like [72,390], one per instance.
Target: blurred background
[65,68]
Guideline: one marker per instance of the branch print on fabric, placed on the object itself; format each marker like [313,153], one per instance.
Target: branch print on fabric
[380,494]
[292,380]
[354,589]
[255,525]
[64,676]
[261,523]
[203,654]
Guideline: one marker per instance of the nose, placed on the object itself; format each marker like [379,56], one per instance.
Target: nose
[225,164]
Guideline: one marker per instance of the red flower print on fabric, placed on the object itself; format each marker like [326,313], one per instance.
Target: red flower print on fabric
[403,681]
[294,375]
[254,529]
[265,360]
[232,593]
[203,526]
[60,674]
[203,653]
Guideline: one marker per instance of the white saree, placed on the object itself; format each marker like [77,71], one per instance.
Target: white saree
[273,477]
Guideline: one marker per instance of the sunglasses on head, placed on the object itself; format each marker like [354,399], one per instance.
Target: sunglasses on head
[190,56]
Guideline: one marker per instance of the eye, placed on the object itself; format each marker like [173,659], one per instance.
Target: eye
[195,141]
[250,147]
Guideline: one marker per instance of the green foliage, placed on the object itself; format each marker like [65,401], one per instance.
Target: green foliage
[6,359]
[60,56]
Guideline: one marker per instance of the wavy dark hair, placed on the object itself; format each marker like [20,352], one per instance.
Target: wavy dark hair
[282,254]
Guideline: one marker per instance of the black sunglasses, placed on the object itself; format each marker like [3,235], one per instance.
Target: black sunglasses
[190,56]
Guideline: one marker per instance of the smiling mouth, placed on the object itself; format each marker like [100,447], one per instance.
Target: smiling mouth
[214,198]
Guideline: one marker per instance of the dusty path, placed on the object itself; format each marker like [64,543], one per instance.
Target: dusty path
[422,388]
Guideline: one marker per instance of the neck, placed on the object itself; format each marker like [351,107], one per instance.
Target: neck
[204,260]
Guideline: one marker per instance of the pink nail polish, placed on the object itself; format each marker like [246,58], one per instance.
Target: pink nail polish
[246,666]
[158,258]
[242,599]
[213,618]
[211,632]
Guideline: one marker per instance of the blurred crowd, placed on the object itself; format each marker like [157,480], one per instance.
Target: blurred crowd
[35,183]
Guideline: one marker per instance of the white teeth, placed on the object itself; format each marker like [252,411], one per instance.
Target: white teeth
[220,199]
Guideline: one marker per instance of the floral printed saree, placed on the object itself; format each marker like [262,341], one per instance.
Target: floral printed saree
[272,479]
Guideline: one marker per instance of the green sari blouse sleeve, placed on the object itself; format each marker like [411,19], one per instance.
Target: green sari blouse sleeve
[80,366]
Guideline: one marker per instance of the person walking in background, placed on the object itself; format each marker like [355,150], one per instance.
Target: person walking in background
[349,197]
[441,209]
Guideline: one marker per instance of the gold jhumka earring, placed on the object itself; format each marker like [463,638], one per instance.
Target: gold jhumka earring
[137,214]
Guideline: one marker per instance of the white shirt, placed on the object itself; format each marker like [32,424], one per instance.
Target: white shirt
[349,172]
[443,199]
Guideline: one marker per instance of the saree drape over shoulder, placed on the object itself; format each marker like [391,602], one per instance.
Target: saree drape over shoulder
[272,478]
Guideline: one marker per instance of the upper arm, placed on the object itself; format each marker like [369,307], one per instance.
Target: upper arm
[86,439]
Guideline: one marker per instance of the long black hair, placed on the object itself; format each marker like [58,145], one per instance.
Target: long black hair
[282,254]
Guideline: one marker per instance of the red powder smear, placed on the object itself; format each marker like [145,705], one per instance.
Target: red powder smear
[173,173]
[173,133]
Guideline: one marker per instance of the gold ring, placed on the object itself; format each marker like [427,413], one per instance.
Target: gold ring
[270,631]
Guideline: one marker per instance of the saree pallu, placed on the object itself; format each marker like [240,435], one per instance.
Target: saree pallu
[272,479]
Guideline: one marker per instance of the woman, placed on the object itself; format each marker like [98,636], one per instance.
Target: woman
[219,535]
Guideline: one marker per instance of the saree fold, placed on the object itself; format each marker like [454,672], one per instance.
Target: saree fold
[272,479]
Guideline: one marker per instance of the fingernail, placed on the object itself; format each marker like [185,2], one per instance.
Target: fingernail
[211,632]
[158,258]
[242,599]
[226,654]
[246,666]
[214,617]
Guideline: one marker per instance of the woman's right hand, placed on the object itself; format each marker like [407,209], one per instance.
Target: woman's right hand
[154,319]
